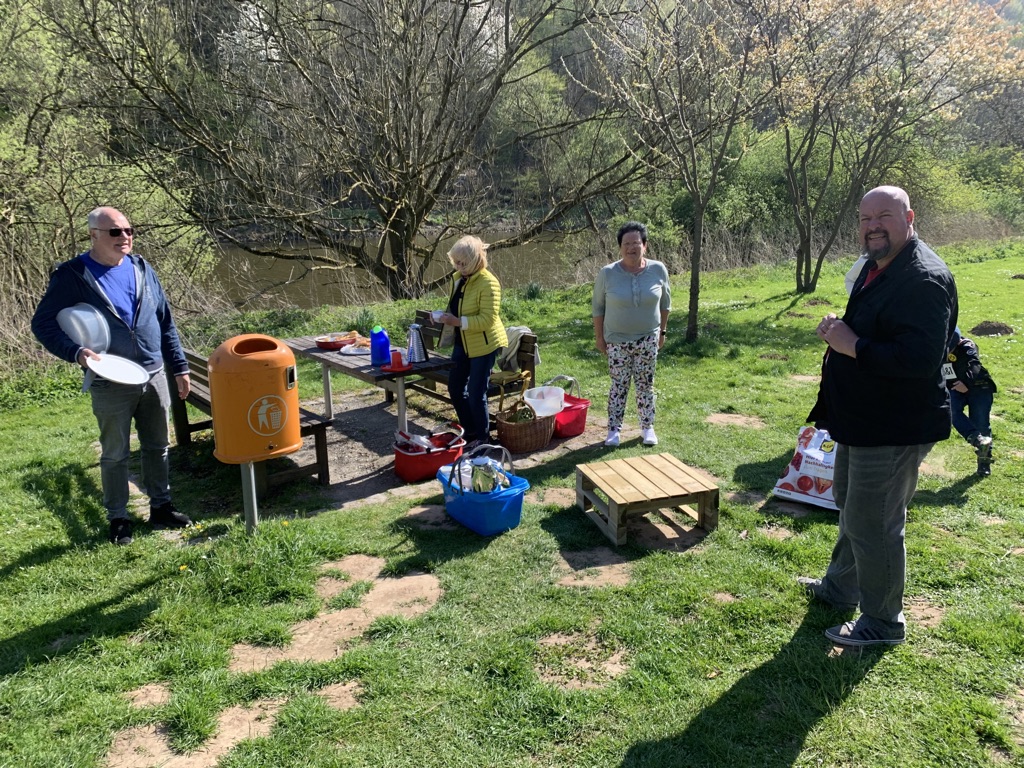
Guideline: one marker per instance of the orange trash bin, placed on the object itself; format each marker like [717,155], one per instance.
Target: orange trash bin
[254,399]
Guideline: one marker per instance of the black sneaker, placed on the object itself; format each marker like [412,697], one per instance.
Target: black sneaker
[859,633]
[984,467]
[166,516]
[121,531]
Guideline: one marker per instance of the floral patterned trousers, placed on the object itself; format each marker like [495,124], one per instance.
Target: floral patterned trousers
[633,361]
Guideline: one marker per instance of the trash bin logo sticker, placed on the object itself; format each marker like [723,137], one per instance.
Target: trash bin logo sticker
[268,415]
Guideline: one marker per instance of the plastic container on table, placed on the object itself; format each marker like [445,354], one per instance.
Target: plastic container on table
[487,514]
[380,347]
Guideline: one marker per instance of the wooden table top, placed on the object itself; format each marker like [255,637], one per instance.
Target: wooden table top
[647,478]
[358,366]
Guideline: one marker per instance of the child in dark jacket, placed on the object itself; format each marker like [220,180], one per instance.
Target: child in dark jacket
[971,388]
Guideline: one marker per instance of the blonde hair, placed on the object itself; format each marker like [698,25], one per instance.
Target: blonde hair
[473,252]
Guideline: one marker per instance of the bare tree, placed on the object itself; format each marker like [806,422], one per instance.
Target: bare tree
[683,72]
[54,168]
[852,81]
[358,125]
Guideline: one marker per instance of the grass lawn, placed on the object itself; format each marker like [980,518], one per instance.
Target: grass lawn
[712,657]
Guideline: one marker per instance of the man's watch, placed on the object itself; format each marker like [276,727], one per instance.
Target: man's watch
[663,332]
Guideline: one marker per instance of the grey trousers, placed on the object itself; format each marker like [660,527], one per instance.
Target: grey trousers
[869,562]
[115,407]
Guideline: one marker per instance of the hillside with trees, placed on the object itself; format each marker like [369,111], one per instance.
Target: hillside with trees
[375,131]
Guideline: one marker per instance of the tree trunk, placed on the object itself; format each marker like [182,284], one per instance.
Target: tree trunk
[695,257]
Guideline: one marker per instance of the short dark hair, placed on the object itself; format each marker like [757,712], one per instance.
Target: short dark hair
[633,226]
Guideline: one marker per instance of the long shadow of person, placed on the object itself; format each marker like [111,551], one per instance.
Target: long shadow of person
[763,720]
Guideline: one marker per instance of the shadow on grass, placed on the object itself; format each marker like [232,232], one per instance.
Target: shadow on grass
[760,476]
[435,545]
[763,720]
[107,618]
[952,495]
[72,495]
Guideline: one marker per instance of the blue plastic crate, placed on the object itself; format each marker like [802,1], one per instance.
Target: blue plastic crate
[484,513]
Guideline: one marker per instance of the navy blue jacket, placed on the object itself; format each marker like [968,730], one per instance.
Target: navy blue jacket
[965,362]
[152,341]
[893,392]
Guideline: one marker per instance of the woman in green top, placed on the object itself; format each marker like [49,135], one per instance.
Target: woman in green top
[631,304]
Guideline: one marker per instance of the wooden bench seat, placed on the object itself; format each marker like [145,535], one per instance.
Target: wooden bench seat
[501,382]
[309,424]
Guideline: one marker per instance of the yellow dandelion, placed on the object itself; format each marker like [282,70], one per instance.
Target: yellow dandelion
[183,568]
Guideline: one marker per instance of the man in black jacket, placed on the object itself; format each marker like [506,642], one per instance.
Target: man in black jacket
[883,399]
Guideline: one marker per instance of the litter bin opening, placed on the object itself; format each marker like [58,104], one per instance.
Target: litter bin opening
[253,345]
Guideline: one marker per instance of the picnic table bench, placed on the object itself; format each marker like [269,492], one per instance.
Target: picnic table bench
[309,424]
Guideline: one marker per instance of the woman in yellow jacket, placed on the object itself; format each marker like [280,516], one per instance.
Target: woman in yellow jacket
[473,311]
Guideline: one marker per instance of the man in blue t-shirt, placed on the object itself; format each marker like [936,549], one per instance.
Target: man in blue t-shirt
[124,288]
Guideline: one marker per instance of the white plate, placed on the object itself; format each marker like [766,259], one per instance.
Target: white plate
[351,350]
[119,369]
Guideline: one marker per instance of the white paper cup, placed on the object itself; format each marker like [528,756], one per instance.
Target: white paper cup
[436,314]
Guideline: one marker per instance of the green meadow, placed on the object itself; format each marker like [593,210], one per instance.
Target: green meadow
[719,658]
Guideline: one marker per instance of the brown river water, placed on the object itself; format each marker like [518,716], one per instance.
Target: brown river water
[293,282]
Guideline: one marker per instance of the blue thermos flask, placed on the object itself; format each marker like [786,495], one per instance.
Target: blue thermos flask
[380,347]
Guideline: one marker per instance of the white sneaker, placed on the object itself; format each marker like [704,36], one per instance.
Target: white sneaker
[612,441]
[649,437]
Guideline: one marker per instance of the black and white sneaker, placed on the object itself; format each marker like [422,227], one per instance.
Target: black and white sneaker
[166,516]
[121,531]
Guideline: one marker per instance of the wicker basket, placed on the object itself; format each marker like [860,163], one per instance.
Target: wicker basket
[530,434]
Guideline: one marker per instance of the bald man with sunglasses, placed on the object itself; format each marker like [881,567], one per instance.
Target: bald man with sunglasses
[126,291]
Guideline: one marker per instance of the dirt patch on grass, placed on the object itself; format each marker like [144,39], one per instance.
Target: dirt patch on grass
[923,612]
[597,567]
[342,695]
[558,497]
[324,637]
[431,517]
[577,661]
[804,378]
[991,328]
[149,745]
[668,530]
[152,695]
[776,532]
[1014,706]
[735,420]
[788,508]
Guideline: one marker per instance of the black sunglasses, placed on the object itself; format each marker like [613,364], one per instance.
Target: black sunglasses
[116,231]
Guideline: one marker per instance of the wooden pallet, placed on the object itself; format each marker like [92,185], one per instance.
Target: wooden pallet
[609,491]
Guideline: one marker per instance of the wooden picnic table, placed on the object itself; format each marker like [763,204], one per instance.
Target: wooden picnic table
[358,366]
